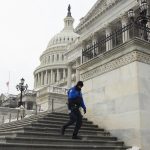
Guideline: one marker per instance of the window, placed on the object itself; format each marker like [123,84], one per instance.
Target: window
[57,56]
[49,59]
[53,58]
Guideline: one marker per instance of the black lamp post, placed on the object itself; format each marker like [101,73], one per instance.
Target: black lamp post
[21,87]
[143,18]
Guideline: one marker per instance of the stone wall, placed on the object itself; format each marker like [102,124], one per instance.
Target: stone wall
[112,101]
[144,103]
[116,92]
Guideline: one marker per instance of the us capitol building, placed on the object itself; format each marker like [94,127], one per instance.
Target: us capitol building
[53,69]
[109,51]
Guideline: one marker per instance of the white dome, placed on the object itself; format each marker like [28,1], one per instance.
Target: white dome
[64,37]
[67,35]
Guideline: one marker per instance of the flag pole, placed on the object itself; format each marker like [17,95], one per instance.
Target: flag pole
[7,83]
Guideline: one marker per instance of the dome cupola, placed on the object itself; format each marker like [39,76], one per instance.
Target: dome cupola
[68,21]
[67,35]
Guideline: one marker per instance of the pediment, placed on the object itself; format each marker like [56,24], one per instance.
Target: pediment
[99,7]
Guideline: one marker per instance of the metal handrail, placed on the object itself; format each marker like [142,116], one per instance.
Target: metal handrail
[135,30]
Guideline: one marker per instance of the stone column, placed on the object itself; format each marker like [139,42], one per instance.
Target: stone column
[46,78]
[94,41]
[60,57]
[51,59]
[52,76]
[69,76]
[109,40]
[64,73]
[83,58]
[77,71]
[38,79]
[55,57]
[58,75]
[41,78]
[49,104]
[35,81]
[125,34]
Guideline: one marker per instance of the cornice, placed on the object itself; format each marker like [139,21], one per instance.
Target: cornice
[48,67]
[98,9]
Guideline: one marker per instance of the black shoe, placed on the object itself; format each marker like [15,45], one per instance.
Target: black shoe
[62,132]
[76,137]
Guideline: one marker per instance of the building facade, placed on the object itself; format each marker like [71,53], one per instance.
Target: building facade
[53,69]
[112,58]
[50,77]
[109,51]
[11,101]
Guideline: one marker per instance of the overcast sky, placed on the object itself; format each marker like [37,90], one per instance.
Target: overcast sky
[26,26]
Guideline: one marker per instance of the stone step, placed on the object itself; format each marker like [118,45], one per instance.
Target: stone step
[55,135]
[49,124]
[60,141]
[91,127]
[61,121]
[54,130]
[24,120]
[34,118]
[18,146]
[42,132]
[59,115]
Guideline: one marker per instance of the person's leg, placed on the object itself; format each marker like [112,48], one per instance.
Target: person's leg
[72,120]
[78,125]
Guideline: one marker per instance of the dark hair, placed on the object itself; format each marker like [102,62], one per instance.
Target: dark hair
[80,83]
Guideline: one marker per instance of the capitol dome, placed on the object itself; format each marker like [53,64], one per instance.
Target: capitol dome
[53,67]
[64,37]
[67,35]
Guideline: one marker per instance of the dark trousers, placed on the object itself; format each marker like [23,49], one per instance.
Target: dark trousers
[75,117]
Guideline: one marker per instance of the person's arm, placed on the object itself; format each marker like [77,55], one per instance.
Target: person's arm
[82,104]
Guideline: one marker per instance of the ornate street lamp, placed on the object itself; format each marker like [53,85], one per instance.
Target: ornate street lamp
[143,18]
[131,14]
[21,87]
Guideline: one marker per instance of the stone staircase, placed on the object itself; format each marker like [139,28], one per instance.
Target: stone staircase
[42,132]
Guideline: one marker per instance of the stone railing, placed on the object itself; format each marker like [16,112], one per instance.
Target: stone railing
[51,98]
[13,114]
[52,89]
[59,90]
